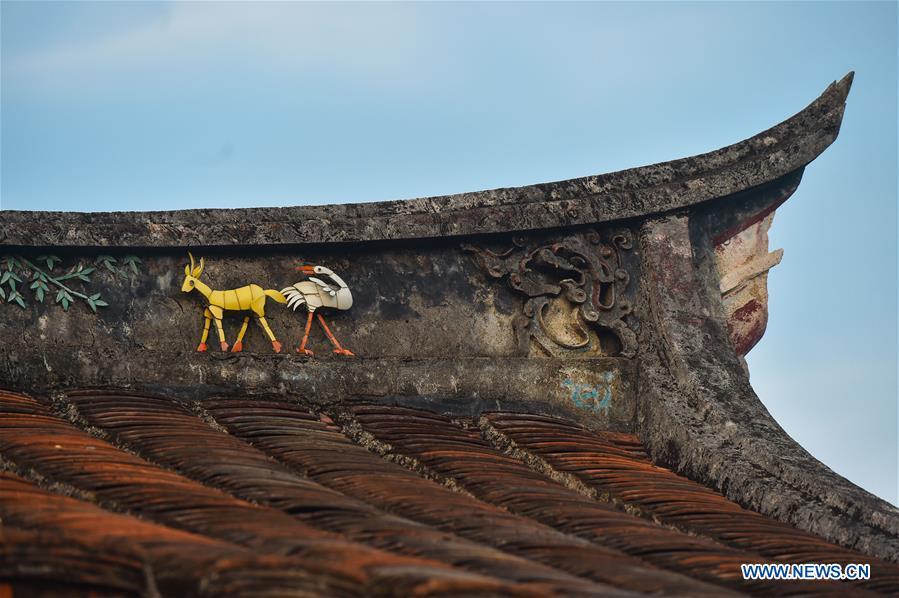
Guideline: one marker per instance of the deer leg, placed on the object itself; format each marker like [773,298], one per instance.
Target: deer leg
[337,348]
[208,316]
[303,348]
[276,345]
[221,331]
[238,344]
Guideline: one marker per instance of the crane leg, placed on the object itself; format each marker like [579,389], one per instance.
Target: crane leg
[302,349]
[276,345]
[337,348]
[238,344]
[208,316]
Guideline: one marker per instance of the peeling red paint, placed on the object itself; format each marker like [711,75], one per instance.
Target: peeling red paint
[746,337]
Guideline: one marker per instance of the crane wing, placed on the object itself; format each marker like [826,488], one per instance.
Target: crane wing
[294,295]
[324,286]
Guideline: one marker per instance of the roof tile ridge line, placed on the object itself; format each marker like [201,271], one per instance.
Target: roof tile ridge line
[509,447]
[263,550]
[33,476]
[499,549]
[353,430]
[30,474]
[69,411]
[41,482]
[836,90]
[210,420]
[197,408]
[192,407]
[503,443]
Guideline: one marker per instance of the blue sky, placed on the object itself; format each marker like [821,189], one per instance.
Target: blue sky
[133,105]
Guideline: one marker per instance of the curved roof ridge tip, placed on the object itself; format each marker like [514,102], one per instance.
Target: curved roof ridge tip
[639,191]
[846,82]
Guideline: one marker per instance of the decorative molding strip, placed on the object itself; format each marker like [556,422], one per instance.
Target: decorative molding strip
[598,392]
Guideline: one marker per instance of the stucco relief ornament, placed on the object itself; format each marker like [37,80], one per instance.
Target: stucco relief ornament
[314,294]
[63,286]
[576,293]
[249,298]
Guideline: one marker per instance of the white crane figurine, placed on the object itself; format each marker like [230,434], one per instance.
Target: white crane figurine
[315,293]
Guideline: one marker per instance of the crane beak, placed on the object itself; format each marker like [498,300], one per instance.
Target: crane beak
[306,269]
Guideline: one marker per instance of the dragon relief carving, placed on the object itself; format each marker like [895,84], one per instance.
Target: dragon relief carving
[576,292]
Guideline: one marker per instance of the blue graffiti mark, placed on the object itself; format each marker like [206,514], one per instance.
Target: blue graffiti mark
[592,397]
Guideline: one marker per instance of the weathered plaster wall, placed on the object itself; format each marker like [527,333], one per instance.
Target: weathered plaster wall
[427,321]
[414,302]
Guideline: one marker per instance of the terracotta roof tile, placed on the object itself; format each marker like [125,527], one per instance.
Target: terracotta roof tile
[63,453]
[232,465]
[630,477]
[243,496]
[329,457]
[508,482]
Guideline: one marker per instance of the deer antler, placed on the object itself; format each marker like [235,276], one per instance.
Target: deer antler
[195,270]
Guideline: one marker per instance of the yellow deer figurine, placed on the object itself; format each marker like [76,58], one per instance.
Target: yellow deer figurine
[248,298]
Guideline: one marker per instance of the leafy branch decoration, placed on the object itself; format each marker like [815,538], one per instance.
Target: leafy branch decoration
[45,280]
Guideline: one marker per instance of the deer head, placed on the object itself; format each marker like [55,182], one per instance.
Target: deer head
[191,274]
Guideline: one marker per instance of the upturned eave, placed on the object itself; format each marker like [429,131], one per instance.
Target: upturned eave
[632,193]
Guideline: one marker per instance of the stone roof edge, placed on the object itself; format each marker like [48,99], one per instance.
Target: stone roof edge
[699,415]
[635,192]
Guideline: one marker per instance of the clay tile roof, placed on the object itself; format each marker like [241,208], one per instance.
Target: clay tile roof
[123,493]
